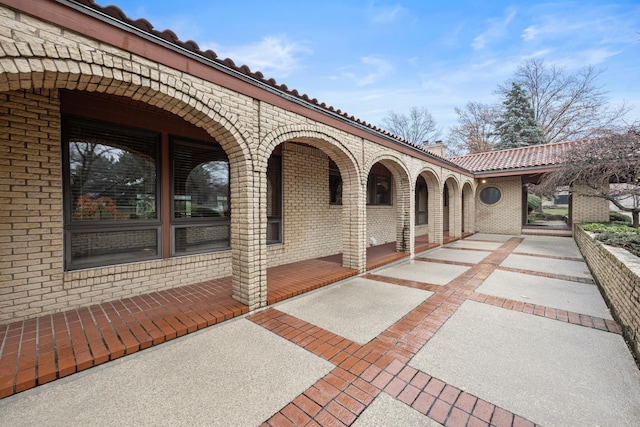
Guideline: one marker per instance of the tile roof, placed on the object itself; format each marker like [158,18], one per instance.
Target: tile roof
[171,37]
[517,159]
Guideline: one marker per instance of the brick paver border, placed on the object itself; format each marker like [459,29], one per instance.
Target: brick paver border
[362,372]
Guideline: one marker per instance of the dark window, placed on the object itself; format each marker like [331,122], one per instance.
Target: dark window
[200,192]
[422,201]
[335,184]
[379,186]
[445,195]
[274,200]
[112,186]
[111,194]
[490,195]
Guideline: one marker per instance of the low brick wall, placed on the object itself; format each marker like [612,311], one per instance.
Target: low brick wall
[617,273]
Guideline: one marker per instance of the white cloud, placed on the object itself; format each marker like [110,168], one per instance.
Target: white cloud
[371,70]
[274,56]
[385,14]
[581,58]
[551,28]
[497,29]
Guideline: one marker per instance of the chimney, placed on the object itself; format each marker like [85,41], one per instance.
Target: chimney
[437,148]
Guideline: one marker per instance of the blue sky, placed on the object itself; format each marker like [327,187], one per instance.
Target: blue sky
[371,57]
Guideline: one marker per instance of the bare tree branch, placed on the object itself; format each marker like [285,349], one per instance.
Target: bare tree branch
[567,106]
[612,158]
[474,132]
[417,127]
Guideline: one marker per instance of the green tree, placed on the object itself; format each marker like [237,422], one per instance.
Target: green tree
[516,126]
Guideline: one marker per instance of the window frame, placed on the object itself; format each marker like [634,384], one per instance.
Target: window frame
[335,184]
[276,219]
[71,226]
[372,189]
[490,187]
[194,222]
[421,183]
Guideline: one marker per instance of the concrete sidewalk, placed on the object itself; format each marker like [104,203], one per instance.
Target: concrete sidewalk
[491,329]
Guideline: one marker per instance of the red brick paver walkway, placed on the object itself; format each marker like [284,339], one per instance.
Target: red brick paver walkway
[38,351]
[362,372]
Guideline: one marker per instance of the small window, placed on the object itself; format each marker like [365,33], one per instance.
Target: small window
[445,195]
[379,187]
[335,184]
[422,201]
[490,195]
[274,200]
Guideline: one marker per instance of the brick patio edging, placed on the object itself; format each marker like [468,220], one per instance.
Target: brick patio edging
[617,274]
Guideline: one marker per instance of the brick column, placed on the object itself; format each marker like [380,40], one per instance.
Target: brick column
[248,234]
[354,223]
[455,209]
[405,211]
[586,208]
[30,205]
[435,213]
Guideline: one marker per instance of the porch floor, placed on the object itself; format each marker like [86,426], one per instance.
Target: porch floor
[41,350]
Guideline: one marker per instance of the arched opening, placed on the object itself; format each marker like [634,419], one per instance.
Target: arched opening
[390,209]
[321,201]
[139,184]
[468,209]
[422,206]
[451,210]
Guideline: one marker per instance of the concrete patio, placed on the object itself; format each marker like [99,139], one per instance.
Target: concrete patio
[489,330]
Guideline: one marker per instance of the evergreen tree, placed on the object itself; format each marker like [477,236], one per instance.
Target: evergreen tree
[517,126]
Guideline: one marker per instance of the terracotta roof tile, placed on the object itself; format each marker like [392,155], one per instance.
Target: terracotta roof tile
[536,156]
[171,37]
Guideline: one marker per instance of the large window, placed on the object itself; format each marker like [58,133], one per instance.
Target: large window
[200,220]
[111,194]
[422,201]
[113,186]
[274,200]
[379,186]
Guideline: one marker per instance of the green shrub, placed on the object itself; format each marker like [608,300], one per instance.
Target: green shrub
[616,234]
[619,217]
[609,227]
[533,202]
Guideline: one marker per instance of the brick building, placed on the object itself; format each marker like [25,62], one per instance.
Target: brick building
[131,161]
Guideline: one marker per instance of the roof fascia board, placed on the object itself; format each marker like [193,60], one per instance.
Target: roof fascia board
[515,172]
[380,136]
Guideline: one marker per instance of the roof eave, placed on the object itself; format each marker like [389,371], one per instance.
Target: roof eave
[516,171]
[96,14]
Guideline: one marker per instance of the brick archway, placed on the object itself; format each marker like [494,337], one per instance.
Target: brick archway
[403,199]
[452,207]
[353,213]
[171,91]
[434,207]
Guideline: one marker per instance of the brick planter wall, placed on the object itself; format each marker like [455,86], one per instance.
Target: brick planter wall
[617,273]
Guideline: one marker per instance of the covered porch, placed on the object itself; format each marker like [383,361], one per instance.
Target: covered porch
[40,350]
